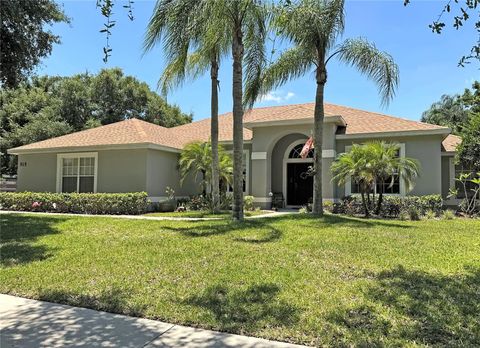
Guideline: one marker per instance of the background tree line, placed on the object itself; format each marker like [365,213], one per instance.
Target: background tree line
[50,106]
[461,113]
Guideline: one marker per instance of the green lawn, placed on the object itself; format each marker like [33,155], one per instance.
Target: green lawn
[334,281]
[208,214]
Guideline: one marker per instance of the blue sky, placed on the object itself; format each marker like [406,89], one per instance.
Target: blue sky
[428,62]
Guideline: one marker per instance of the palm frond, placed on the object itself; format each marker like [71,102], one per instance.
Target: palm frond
[375,64]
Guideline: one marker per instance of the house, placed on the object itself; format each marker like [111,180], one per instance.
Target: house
[134,155]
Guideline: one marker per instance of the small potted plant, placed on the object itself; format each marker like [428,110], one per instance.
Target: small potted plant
[170,204]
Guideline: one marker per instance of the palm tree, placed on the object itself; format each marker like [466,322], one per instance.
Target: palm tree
[374,164]
[196,158]
[185,29]
[354,165]
[212,26]
[313,26]
[386,163]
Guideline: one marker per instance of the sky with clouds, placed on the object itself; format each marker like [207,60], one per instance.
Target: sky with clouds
[428,62]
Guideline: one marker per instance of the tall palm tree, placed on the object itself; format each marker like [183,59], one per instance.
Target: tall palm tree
[242,24]
[196,158]
[313,27]
[184,28]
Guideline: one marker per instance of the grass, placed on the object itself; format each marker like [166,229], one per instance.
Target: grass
[334,281]
[207,214]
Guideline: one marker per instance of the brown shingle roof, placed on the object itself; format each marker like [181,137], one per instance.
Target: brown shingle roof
[450,143]
[135,131]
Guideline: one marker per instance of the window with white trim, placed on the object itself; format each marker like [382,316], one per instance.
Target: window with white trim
[77,173]
[391,186]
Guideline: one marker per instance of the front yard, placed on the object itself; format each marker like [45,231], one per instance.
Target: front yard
[334,281]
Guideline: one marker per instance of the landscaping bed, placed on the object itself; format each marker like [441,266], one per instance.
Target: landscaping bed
[208,214]
[334,281]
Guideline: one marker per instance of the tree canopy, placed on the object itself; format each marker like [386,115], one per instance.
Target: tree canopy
[24,38]
[50,106]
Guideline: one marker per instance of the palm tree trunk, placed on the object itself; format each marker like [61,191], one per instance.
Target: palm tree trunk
[237,92]
[365,205]
[214,136]
[380,199]
[319,114]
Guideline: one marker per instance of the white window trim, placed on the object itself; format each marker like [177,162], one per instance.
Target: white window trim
[287,160]
[78,155]
[348,183]
[247,174]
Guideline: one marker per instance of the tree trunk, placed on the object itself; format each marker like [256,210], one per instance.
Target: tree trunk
[214,136]
[380,199]
[237,92]
[365,206]
[321,76]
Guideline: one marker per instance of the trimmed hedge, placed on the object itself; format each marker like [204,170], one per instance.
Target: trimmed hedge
[392,206]
[80,203]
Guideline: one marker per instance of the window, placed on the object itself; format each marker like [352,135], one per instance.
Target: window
[246,170]
[76,172]
[387,187]
[297,150]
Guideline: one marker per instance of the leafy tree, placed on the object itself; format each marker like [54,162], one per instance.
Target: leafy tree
[468,152]
[374,163]
[449,112]
[51,106]
[314,27]
[24,39]
[196,158]
[463,10]
[184,31]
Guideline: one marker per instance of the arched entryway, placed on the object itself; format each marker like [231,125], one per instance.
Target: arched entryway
[297,183]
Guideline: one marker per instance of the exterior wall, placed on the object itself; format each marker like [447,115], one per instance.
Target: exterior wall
[38,174]
[162,171]
[426,149]
[122,171]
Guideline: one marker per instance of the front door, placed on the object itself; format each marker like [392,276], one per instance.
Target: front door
[299,185]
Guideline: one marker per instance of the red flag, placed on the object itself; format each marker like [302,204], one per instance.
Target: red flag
[306,148]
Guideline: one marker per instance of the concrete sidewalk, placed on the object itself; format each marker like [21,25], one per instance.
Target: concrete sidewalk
[30,323]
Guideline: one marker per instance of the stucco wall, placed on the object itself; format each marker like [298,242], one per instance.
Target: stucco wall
[122,170]
[162,171]
[39,174]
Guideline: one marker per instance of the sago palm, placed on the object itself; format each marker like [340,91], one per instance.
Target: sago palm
[314,27]
[193,46]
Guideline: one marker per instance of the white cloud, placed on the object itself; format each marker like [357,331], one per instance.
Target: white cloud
[277,96]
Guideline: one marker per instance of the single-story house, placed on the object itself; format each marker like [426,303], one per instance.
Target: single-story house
[134,155]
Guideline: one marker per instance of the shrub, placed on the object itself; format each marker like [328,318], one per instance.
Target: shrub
[413,213]
[303,210]
[80,203]
[328,206]
[448,214]
[248,203]
[392,206]
[430,215]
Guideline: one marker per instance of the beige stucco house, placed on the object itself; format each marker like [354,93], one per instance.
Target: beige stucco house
[134,155]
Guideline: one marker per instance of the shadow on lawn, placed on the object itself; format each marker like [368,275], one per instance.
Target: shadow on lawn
[19,235]
[429,309]
[240,311]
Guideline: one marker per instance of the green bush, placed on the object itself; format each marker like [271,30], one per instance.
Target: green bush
[413,213]
[393,206]
[448,214]
[80,203]
[248,203]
